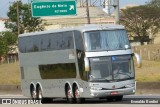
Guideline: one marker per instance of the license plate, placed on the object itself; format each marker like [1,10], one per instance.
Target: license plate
[114,93]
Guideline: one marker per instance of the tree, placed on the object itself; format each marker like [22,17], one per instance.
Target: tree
[154,3]
[141,21]
[7,40]
[26,22]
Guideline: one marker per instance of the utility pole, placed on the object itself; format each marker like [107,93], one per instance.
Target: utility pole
[116,11]
[18,18]
[87,10]
[107,6]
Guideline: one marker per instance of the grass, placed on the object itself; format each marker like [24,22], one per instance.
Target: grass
[149,72]
[9,74]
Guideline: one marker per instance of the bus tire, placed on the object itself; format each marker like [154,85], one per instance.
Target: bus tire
[77,96]
[69,97]
[39,95]
[33,93]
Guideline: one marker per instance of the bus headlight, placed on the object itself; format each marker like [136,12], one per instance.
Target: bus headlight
[96,88]
[130,85]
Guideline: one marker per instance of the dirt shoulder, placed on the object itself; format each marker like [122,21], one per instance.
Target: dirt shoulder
[148,88]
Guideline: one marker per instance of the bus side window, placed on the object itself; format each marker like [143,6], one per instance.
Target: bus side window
[44,42]
[29,44]
[22,45]
[68,40]
[78,40]
[36,44]
[56,41]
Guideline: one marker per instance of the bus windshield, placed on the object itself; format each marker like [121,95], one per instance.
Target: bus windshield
[117,68]
[106,40]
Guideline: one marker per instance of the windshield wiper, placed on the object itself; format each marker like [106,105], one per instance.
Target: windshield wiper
[123,74]
[126,75]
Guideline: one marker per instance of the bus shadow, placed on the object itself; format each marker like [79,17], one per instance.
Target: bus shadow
[87,101]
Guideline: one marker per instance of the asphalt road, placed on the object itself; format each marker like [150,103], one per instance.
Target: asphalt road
[128,101]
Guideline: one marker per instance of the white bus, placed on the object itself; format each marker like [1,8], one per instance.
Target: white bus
[92,61]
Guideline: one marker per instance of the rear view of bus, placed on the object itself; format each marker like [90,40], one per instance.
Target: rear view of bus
[109,62]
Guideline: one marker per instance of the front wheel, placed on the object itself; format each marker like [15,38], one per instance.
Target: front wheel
[77,95]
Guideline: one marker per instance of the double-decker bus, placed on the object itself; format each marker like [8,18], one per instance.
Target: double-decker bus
[91,61]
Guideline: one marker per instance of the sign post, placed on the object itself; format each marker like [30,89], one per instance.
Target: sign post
[42,8]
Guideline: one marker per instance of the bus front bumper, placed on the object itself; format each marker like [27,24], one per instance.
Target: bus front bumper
[115,92]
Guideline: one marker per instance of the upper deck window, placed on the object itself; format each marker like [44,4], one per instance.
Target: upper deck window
[106,40]
[46,42]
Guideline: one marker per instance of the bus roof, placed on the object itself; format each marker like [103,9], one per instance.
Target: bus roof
[87,27]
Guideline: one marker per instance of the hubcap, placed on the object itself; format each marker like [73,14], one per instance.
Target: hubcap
[33,93]
[77,93]
[40,94]
[69,92]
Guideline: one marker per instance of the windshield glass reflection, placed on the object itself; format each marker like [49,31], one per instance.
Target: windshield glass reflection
[106,40]
[112,68]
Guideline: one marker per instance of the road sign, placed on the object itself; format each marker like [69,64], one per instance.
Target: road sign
[42,8]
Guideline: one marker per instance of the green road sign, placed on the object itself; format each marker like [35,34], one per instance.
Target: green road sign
[42,8]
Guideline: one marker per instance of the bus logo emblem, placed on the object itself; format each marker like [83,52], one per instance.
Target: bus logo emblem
[113,58]
[113,86]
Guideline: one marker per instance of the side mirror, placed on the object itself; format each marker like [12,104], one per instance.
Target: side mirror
[139,61]
[86,64]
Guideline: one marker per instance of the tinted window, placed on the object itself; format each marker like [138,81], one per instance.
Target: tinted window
[36,43]
[48,42]
[58,71]
[25,44]
[21,45]
[55,41]
[45,43]
[29,45]
[67,40]
[78,40]
[106,40]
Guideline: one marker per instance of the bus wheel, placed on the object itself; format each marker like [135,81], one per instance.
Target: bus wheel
[39,95]
[33,93]
[77,95]
[69,95]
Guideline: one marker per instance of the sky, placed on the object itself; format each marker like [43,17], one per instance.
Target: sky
[4,4]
